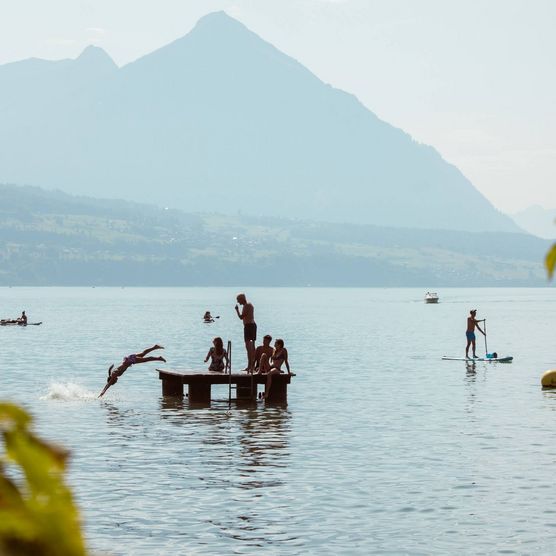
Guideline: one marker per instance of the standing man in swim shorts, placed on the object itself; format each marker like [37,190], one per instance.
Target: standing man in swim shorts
[472,322]
[247,315]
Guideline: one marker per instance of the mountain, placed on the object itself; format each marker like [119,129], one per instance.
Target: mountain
[538,221]
[52,238]
[220,120]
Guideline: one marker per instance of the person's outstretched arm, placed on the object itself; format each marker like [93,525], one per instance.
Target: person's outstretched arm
[479,328]
[208,355]
[286,361]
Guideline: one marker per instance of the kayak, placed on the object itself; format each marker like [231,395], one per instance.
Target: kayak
[6,323]
[486,359]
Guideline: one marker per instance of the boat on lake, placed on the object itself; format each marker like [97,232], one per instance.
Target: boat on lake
[431,297]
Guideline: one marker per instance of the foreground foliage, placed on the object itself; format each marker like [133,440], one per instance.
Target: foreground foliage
[37,513]
[550,261]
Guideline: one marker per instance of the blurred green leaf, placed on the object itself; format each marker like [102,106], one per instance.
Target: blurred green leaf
[550,261]
[37,513]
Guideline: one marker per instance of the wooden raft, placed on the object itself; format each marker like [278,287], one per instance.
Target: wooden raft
[199,384]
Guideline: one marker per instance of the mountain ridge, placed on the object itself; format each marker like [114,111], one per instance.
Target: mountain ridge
[221,116]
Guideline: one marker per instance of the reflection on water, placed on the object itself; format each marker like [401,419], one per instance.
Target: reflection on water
[251,447]
[264,439]
[549,395]
[471,368]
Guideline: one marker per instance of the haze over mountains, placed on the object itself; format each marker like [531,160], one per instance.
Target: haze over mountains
[220,120]
[538,221]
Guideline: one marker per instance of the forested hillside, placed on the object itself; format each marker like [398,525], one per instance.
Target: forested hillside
[51,238]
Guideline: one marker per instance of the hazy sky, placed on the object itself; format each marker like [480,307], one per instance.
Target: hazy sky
[474,78]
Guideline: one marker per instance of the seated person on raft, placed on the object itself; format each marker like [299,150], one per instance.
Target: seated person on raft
[128,361]
[273,365]
[218,356]
[266,349]
[208,317]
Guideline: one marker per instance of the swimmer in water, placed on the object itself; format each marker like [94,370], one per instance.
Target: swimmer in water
[128,361]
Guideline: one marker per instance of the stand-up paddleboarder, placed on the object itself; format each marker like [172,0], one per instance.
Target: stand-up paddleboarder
[247,315]
[472,323]
[129,360]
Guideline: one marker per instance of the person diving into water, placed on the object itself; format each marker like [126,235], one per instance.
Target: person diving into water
[128,361]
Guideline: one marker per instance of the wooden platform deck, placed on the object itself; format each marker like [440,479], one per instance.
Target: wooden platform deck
[199,384]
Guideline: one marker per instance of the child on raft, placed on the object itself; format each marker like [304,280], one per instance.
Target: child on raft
[128,361]
[218,356]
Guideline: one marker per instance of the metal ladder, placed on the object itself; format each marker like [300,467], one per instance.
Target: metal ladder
[229,371]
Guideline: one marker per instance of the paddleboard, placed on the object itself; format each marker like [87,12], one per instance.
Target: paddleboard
[2,323]
[486,359]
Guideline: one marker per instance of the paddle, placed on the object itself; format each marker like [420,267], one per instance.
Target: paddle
[486,349]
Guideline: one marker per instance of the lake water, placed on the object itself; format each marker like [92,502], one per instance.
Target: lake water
[383,448]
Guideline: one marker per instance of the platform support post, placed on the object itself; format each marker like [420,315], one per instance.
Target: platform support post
[199,393]
[278,392]
[245,392]
[172,386]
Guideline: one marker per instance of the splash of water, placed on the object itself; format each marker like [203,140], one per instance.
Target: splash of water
[67,391]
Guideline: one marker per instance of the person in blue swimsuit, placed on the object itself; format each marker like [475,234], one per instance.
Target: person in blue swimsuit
[127,362]
[472,323]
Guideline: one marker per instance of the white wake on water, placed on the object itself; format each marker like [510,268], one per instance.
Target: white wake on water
[68,391]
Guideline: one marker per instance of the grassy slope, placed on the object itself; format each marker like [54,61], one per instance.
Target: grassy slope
[50,238]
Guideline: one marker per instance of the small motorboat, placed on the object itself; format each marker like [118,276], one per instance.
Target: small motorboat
[431,297]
